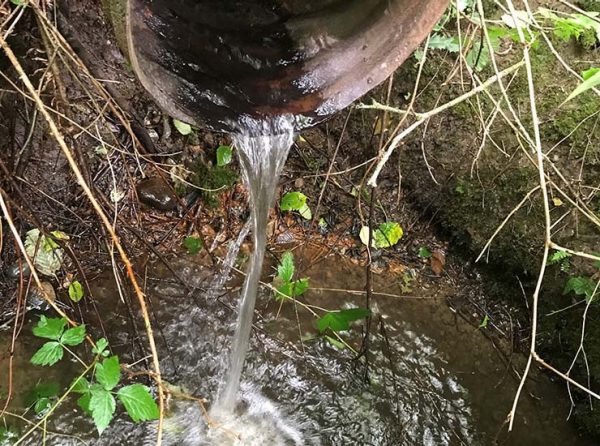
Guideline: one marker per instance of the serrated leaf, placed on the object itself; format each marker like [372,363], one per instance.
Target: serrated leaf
[183,128]
[75,291]
[292,201]
[81,385]
[299,287]
[138,402]
[192,244]
[102,405]
[224,155]
[49,354]
[73,336]
[340,320]
[100,347]
[108,373]
[558,256]
[50,328]
[582,286]
[84,402]
[285,270]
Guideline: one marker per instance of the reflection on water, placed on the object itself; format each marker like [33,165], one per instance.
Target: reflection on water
[434,380]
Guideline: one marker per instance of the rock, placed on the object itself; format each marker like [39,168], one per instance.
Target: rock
[14,272]
[157,194]
[37,298]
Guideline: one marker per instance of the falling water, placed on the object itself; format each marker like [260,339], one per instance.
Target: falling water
[262,147]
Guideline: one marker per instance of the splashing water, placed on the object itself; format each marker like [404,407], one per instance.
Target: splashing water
[263,147]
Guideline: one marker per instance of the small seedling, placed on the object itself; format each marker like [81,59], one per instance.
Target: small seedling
[192,244]
[296,201]
[224,155]
[388,234]
[285,285]
[75,291]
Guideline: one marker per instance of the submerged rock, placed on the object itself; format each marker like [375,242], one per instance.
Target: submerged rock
[157,194]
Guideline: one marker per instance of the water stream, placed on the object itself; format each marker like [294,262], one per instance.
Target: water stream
[262,147]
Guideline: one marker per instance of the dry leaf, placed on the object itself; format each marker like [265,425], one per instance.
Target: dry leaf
[438,261]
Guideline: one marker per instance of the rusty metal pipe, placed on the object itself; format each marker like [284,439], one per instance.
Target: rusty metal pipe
[211,62]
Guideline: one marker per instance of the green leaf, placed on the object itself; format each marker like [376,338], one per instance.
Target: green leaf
[192,244]
[49,354]
[108,373]
[75,291]
[558,257]
[299,287]
[73,336]
[84,402]
[586,74]
[182,127]
[41,405]
[305,212]
[582,286]
[81,385]
[224,155]
[138,402]
[50,328]
[340,320]
[292,201]
[285,270]
[424,252]
[291,289]
[100,348]
[586,85]
[484,322]
[388,235]
[102,406]
[335,342]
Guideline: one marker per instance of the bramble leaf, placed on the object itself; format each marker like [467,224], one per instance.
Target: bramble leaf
[50,328]
[138,403]
[73,336]
[102,406]
[340,320]
[285,270]
[100,348]
[81,385]
[49,354]
[108,373]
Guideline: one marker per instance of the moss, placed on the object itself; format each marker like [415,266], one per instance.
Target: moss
[212,179]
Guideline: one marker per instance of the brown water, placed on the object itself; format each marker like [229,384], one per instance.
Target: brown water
[435,380]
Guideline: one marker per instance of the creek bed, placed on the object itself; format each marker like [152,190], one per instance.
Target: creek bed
[435,379]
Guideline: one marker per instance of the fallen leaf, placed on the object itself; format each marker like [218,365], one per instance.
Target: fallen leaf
[438,261]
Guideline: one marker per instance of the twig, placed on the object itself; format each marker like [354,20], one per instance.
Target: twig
[423,117]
